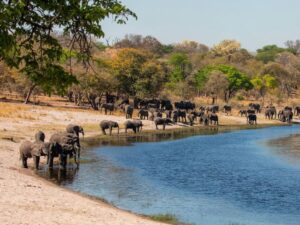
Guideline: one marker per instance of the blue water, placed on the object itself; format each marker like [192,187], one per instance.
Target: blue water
[222,179]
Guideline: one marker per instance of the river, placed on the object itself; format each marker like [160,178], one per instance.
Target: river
[246,177]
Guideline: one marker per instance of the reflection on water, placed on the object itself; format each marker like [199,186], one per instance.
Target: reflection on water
[221,179]
[288,147]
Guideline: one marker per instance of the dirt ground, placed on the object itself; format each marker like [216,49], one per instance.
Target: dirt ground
[28,199]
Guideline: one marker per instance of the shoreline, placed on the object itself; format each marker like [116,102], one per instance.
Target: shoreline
[27,197]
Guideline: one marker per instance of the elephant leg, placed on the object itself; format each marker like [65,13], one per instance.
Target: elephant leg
[36,161]
[63,161]
[110,131]
[134,129]
[51,158]
[103,131]
[164,126]
[156,126]
[24,162]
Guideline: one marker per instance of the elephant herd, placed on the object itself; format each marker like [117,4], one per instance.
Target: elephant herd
[61,144]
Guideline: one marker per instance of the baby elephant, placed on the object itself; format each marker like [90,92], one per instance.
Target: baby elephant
[162,121]
[108,124]
[34,150]
[75,129]
[135,125]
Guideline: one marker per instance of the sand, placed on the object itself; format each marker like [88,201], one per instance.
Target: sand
[28,199]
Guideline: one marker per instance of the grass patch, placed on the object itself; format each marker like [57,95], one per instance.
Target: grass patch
[168,218]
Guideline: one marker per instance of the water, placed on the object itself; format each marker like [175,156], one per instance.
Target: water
[249,177]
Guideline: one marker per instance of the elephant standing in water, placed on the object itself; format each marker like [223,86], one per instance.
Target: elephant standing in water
[135,125]
[108,124]
[67,144]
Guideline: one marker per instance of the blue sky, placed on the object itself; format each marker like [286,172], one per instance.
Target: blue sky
[254,23]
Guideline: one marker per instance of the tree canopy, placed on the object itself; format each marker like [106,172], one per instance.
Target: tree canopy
[27,41]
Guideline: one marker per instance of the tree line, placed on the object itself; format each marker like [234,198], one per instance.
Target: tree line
[36,58]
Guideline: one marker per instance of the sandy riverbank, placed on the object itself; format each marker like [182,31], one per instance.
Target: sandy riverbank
[26,199]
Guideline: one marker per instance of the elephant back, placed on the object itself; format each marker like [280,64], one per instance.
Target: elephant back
[37,149]
[25,148]
[65,140]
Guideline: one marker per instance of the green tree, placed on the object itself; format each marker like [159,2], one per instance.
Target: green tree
[268,53]
[264,84]
[27,41]
[138,72]
[181,67]
[236,79]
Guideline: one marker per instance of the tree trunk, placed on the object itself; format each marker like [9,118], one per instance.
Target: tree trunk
[29,94]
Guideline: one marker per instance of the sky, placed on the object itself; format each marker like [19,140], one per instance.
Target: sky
[254,23]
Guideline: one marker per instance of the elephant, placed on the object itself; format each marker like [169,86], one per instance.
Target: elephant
[297,110]
[143,114]
[154,114]
[107,107]
[75,129]
[135,125]
[243,112]
[34,150]
[168,113]
[252,119]
[288,108]
[212,108]
[227,109]
[108,124]
[128,111]
[184,105]
[250,111]
[191,119]
[166,105]
[67,144]
[197,114]
[40,136]
[179,115]
[204,119]
[270,113]
[285,115]
[213,119]
[162,121]
[255,107]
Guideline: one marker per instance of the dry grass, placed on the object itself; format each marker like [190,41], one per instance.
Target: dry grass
[12,110]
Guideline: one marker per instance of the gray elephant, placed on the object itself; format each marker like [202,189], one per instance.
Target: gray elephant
[162,121]
[34,150]
[251,119]
[143,114]
[204,119]
[213,119]
[67,144]
[270,113]
[191,119]
[128,111]
[40,136]
[75,129]
[227,109]
[135,125]
[108,124]
[107,107]
[285,115]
